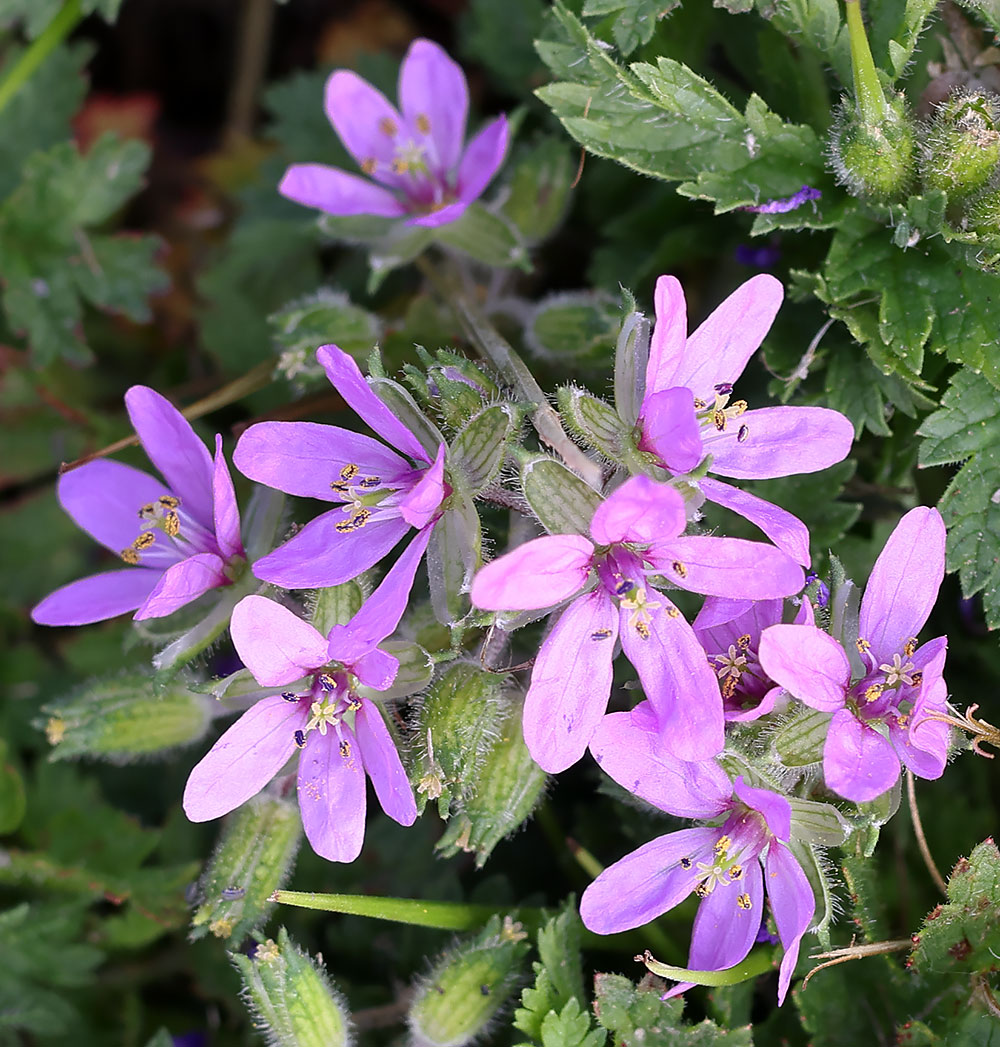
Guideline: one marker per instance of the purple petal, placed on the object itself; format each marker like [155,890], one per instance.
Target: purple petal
[350,383]
[367,123]
[482,159]
[103,498]
[540,573]
[380,613]
[670,429]
[776,809]
[320,555]
[858,763]
[793,905]
[275,644]
[931,736]
[97,597]
[722,621]
[181,583]
[807,662]
[785,203]
[434,98]
[172,446]
[719,350]
[571,682]
[332,795]
[225,510]
[422,503]
[666,348]
[904,583]
[678,681]
[305,458]
[766,705]
[338,192]
[714,566]
[442,216]
[627,747]
[781,441]
[724,930]
[244,759]
[381,760]
[646,883]
[641,511]
[787,532]
[376,669]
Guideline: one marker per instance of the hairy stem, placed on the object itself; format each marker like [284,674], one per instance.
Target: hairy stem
[54,33]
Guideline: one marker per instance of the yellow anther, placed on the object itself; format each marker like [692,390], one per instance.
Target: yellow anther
[910,646]
[672,612]
[685,863]
[600,634]
[737,408]
[735,872]
[172,524]
[144,541]
[902,721]
[387,126]
[705,888]
[349,471]
[354,703]
[369,165]
[743,642]
[423,124]
[146,511]
[55,730]
[729,685]
[129,556]
[355,523]
[699,405]
[917,677]
[400,166]
[168,501]
[719,420]
[744,902]
[679,569]
[863,645]
[874,692]
[722,844]
[345,749]
[369,482]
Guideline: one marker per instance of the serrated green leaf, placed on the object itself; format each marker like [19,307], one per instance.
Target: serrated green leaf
[570,1027]
[967,422]
[635,20]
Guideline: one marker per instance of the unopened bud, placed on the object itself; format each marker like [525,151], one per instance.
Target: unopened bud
[962,147]
[455,1003]
[631,358]
[594,421]
[293,1001]
[576,327]
[254,855]
[509,786]
[458,721]
[456,386]
[123,718]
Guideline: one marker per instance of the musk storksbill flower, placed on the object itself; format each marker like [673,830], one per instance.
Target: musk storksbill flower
[687,412]
[727,865]
[883,715]
[415,156]
[382,494]
[318,709]
[636,534]
[179,538]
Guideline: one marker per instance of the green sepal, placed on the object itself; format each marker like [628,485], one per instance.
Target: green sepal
[416,667]
[487,237]
[563,502]
[816,871]
[818,823]
[478,451]
[631,358]
[798,742]
[336,605]
[454,554]
[292,997]
[254,856]
[404,407]
[593,420]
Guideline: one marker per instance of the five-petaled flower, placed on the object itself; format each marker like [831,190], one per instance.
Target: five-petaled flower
[415,157]
[726,865]
[382,494]
[886,711]
[636,534]
[317,708]
[687,411]
[179,539]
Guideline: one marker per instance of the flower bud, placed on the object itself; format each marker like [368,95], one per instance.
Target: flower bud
[468,985]
[961,149]
[457,723]
[123,718]
[455,386]
[254,855]
[593,420]
[574,327]
[509,786]
[294,1003]
[631,358]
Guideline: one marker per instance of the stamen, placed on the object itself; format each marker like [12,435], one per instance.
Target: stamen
[356,522]
[699,405]
[736,872]
[642,628]
[600,634]
[369,482]
[172,524]
[744,902]
[300,739]
[679,569]
[423,124]
[743,642]
[685,863]
[909,647]
[737,408]
[326,682]
[874,692]
[354,703]
[705,888]
[624,586]
[722,844]
[130,556]
[862,645]
[400,166]
[349,471]
[719,420]
[723,388]
[672,612]
[387,126]
[729,685]
[742,433]
[168,501]
[147,511]
[369,166]
[345,749]
[289,696]
[144,541]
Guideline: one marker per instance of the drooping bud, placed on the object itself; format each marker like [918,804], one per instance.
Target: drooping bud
[961,149]
[293,1001]
[631,358]
[872,142]
[509,786]
[577,328]
[124,718]
[455,1003]
[457,723]
[254,855]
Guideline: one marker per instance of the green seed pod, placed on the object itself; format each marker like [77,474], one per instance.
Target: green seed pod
[123,718]
[509,786]
[293,1000]
[456,725]
[254,856]
[961,149]
[455,1003]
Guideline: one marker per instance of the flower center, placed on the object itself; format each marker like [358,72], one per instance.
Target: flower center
[720,412]
[720,872]
[640,605]
[356,490]
[332,700]
[166,515]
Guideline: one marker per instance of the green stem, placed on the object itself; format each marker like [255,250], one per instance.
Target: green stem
[867,89]
[55,32]
[758,962]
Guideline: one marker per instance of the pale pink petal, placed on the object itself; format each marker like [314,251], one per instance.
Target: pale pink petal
[97,597]
[423,502]
[787,532]
[332,795]
[338,192]
[366,121]
[275,644]
[540,573]
[381,760]
[482,159]
[715,566]
[434,98]
[808,663]
[244,759]
[793,905]
[666,348]
[181,583]
[571,682]
[776,809]
[226,510]
[671,430]
[641,511]
[858,763]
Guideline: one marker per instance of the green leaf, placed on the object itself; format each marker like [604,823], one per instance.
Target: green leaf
[12,798]
[500,37]
[37,14]
[963,935]
[446,916]
[635,20]
[667,122]
[570,1027]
